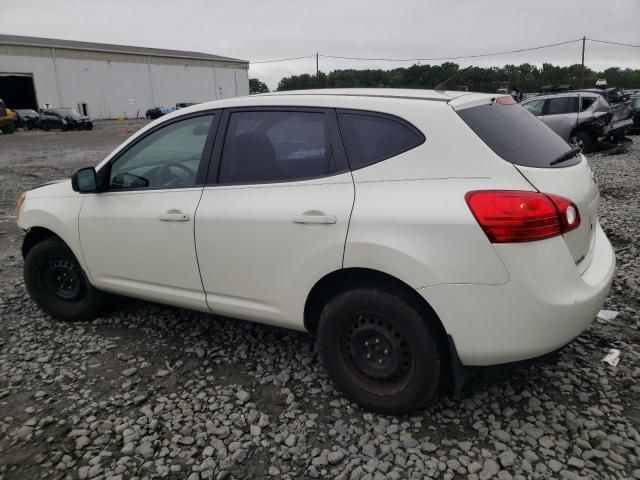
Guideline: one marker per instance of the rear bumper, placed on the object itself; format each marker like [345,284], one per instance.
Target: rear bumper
[545,304]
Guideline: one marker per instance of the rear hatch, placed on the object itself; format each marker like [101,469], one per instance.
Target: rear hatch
[543,158]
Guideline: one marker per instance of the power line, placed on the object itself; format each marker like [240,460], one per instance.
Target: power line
[454,57]
[614,43]
[284,59]
[432,59]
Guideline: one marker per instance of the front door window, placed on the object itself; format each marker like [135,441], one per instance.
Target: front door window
[167,158]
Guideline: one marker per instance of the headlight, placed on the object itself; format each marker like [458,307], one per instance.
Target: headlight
[19,203]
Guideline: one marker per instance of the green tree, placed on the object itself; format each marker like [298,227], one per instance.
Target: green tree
[256,86]
[526,77]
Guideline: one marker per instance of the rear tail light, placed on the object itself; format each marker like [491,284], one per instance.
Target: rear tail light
[505,100]
[510,216]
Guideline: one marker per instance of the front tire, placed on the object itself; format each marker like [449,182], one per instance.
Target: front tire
[379,350]
[58,285]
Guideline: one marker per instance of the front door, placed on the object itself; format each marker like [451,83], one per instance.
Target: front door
[137,236]
[274,219]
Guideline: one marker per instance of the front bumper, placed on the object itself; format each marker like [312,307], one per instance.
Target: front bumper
[545,304]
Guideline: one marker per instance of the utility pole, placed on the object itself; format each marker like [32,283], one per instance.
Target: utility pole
[584,39]
[317,70]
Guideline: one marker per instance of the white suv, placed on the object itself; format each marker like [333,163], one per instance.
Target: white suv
[414,232]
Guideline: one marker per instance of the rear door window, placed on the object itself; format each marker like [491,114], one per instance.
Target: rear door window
[562,105]
[371,138]
[516,136]
[276,146]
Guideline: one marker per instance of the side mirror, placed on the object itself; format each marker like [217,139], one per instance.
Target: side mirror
[84,180]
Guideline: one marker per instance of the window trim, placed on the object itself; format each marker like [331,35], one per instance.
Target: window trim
[388,116]
[103,174]
[332,129]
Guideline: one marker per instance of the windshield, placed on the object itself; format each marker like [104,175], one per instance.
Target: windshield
[27,113]
[517,136]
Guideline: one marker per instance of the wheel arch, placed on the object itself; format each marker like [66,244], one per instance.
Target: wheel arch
[36,235]
[340,280]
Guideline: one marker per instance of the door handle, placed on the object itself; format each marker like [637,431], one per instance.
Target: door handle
[173,216]
[324,219]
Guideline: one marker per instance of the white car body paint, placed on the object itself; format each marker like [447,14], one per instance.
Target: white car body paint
[243,253]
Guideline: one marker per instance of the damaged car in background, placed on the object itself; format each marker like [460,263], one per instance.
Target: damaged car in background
[582,118]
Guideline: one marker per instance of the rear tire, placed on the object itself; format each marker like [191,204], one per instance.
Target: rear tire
[58,285]
[379,350]
[583,140]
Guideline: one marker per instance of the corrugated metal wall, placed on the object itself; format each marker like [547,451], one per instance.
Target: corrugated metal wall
[114,84]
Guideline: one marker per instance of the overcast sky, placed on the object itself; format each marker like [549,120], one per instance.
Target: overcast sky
[259,30]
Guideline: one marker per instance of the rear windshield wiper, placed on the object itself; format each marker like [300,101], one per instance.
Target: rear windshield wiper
[566,155]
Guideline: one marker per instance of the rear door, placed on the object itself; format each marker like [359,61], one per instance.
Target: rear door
[561,115]
[533,149]
[273,218]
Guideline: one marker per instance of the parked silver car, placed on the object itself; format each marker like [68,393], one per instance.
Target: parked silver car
[581,118]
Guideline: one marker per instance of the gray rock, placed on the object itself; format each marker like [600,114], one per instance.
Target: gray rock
[82,442]
[83,472]
[474,467]
[575,463]
[243,396]
[335,457]
[507,458]
[555,465]
[489,469]
[274,471]
[291,440]
[145,449]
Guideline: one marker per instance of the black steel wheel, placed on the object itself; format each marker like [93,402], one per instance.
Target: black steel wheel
[64,278]
[379,350]
[376,353]
[58,285]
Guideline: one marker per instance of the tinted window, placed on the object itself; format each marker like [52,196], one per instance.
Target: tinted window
[586,103]
[534,106]
[370,139]
[562,105]
[275,146]
[516,136]
[168,157]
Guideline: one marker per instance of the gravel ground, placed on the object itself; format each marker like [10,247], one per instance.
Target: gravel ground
[155,392]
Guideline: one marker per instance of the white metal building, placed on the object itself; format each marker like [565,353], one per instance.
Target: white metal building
[106,81]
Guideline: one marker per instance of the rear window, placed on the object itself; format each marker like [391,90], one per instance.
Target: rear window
[586,103]
[370,138]
[516,135]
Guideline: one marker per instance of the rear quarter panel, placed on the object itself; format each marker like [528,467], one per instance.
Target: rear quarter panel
[410,218]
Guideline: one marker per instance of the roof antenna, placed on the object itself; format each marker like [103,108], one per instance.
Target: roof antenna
[442,86]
